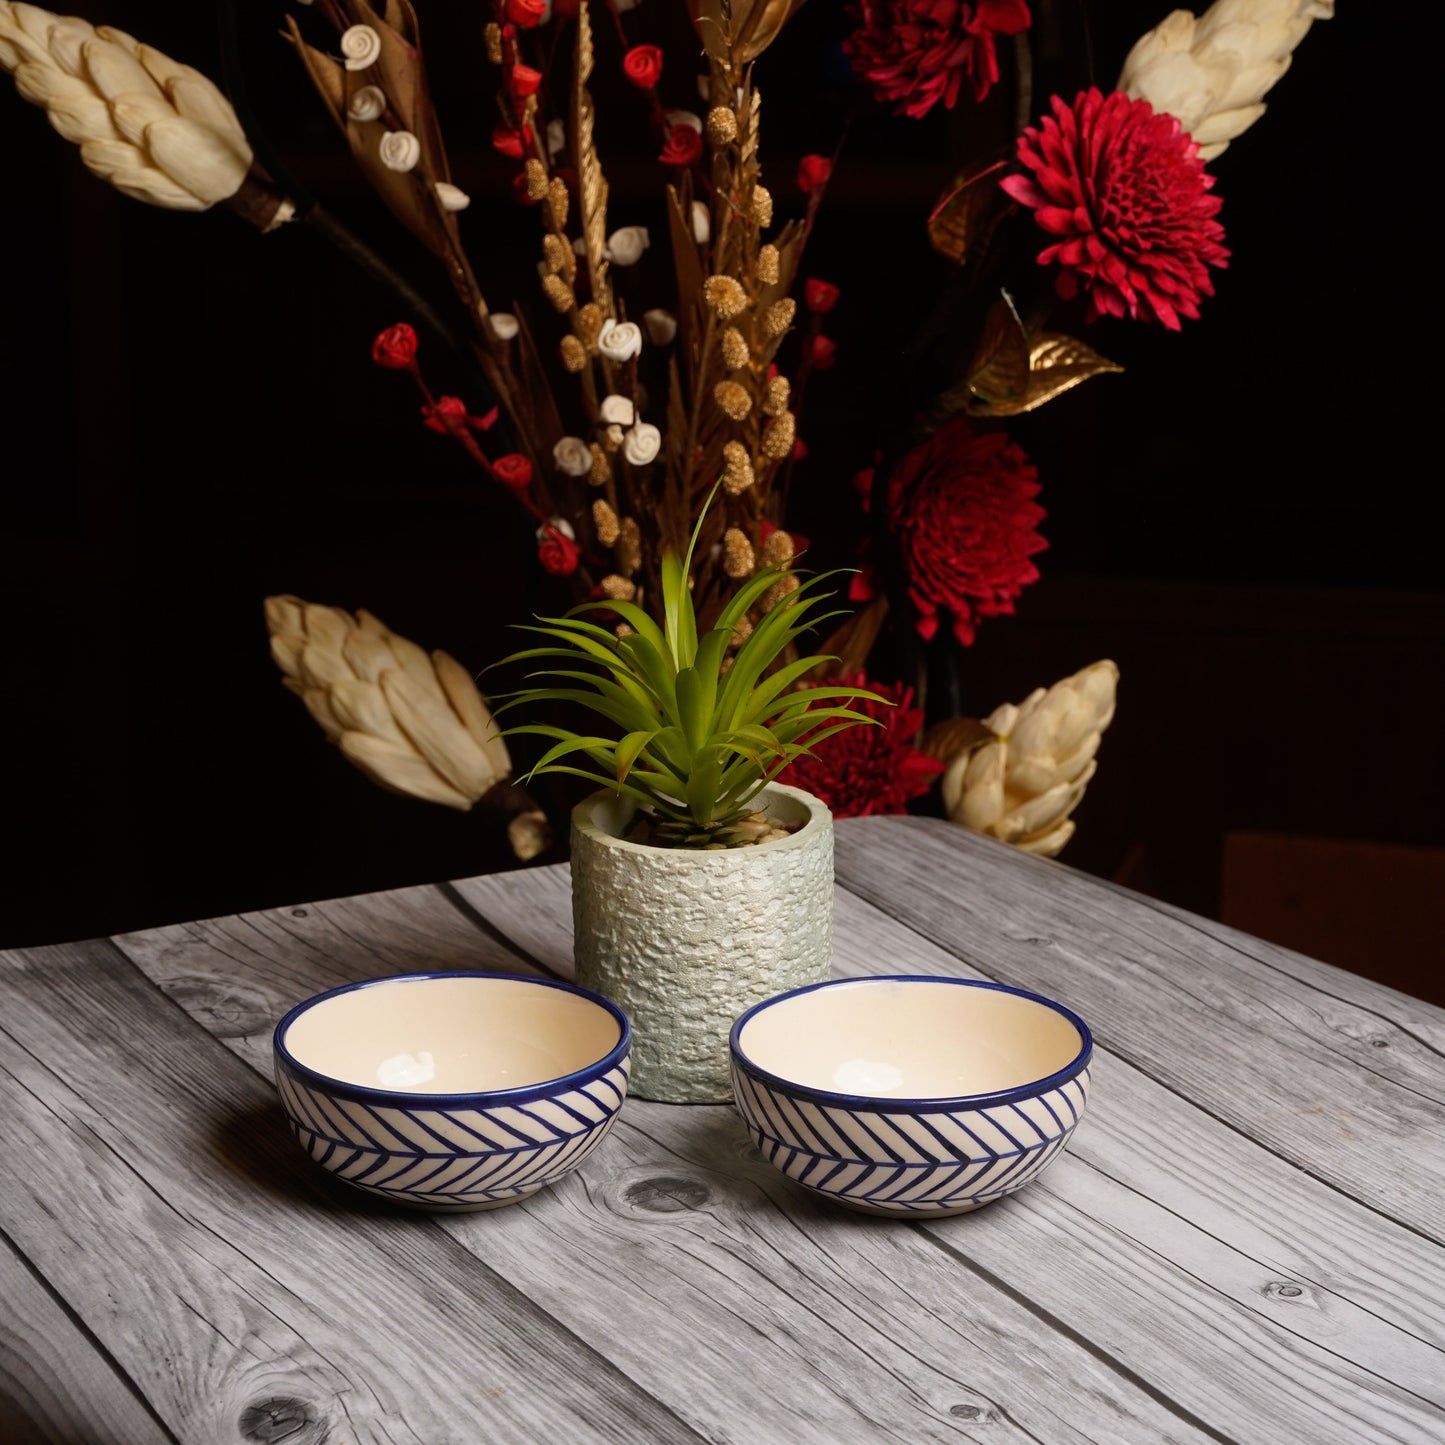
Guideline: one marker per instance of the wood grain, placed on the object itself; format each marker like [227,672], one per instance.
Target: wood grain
[786,1321]
[1250,1045]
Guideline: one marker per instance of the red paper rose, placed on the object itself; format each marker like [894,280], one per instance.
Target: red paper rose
[822,351]
[963,511]
[510,142]
[395,348]
[820,296]
[682,147]
[864,771]
[447,414]
[526,13]
[916,53]
[643,66]
[1125,192]
[558,553]
[523,81]
[813,171]
[514,471]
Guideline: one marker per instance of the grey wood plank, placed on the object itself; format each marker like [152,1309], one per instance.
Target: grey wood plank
[1248,1044]
[56,1385]
[783,1325]
[1269,1277]
[160,1198]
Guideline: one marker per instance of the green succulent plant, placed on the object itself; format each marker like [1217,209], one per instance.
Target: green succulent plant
[691,736]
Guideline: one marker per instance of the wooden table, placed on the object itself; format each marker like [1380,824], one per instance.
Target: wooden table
[1243,1243]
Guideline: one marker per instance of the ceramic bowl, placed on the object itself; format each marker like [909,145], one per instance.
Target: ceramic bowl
[452,1091]
[911,1096]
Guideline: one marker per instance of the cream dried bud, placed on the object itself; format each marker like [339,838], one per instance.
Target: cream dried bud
[560,260]
[537,182]
[779,436]
[619,589]
[785,585]
[588,324]
[735,352]
[504,325]
[574,354]
[733,399]
[493,36]
[452,198]
[769,265]
[738,557]
[777,396]
[777,548]
[556,139]
[629,546]
[722,126]
[557,202]
[604,519]
[726,296]
[701,223]
[559,293]
[738,473]
[601,472]
[779,316]
[612,439]
[623,630]
[661,326]
[762,206]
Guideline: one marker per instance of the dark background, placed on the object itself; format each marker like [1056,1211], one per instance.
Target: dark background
[1247,521]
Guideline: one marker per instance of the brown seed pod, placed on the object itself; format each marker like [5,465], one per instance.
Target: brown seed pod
[738,473]
[560,256]
[733,399]
[779,316]
[601,472]
[629,546]
[559,293]
[605,520]
[776,398]
[557,201]
[574,354]
[619,589]
[785,584]
[493,36]
[738,557]
[735,352]
[762,206]
[768,265]
[588,324]
[726,296]
[777,549]
[536,174]
[779,436]
[722,126]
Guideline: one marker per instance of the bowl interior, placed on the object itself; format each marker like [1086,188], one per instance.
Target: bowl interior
[909,1039]
[459,1035]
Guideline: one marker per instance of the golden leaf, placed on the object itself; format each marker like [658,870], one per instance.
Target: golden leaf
[998,375]
[960,222]
[592,185]
[1055,363]
[738,32]
[954,735]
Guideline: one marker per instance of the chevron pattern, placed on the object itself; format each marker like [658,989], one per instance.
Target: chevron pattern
[452,1158]
[915,1163]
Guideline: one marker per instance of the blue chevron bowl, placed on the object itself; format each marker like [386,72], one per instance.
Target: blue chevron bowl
[911,1096]
[452,1091]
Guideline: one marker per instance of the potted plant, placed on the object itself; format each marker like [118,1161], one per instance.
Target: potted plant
[700,885]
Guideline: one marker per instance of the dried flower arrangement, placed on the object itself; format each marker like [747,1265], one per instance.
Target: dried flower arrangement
[611,431]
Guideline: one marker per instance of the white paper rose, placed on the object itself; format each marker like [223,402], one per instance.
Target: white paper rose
[683,117]
[626,245]
[573,457]
[360,47]
[452,198]
[617,410]
[368,103]
[556,138]
[557,524]
[701,224]
[400,150]
[642,444]
[620,340]
[504,325]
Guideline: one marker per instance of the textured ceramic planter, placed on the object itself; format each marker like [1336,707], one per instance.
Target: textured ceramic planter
[685,941]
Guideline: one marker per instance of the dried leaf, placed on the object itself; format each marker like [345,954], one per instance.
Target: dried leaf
[1058,362]
[955,735]
[853,640]
[998,375]
[591,183]
[965,218]
[737,33]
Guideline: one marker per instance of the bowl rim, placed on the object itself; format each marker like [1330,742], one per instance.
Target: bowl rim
[934,1103]
[414,1099]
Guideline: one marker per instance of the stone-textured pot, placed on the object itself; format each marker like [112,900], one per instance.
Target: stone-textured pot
[684,941]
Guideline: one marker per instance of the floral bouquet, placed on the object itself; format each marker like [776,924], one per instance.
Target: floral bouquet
[1091,204]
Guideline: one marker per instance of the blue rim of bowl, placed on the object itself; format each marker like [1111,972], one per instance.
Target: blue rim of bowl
[416,1099]
[879,1104]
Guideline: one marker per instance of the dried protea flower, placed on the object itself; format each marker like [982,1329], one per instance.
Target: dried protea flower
[601,472]
[733,399]
[779,435]
[722,126]
[726,296]
[536,174]
[493,36]
[768,265]
[619,589]
[629,546]
[588,324]
[775,399]
[559,293]
[781,588]
[530,834]
[738,557]
[574,354]
[412,721]
[557,202]
[777,548]
[779,316]
[762,206]
[605,520]
[738,473]
[560,256]
[735,352]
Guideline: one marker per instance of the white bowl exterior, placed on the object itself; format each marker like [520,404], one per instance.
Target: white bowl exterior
[686,940]
[451,1158]
[915,1162]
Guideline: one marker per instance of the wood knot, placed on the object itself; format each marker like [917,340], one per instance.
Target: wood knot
[667,1194]
[971,1412]
[282,1420]
[224,1008]
[299,913]
[1282,1289]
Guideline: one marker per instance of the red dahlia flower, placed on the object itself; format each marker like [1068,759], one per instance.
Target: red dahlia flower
[916,53]
[1127,196]
[864,771]
[963,510]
